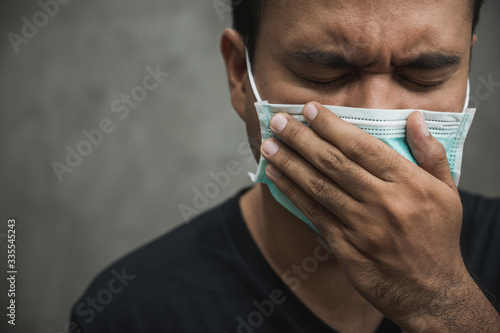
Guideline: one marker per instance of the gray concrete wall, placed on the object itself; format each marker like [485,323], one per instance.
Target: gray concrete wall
[127,191]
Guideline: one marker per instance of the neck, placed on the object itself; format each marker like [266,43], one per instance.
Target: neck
[285,241]
[305,263]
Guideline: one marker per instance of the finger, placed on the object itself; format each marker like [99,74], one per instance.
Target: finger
[360,147]
[323,155]
[427,150]
[312,181]
[326,223]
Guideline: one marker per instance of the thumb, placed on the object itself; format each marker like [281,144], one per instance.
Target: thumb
[427,150]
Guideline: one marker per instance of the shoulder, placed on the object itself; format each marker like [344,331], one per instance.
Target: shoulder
[480,214]
[156,280]
[480,241]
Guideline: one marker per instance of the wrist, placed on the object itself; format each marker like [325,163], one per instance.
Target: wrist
[459,306]
[435,303]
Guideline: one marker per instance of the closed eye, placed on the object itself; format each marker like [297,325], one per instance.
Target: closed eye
[409,82]
[419,86]
[332,83]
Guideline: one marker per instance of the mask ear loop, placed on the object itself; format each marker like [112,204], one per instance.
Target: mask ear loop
[250,77]
[253,176]
[467,96]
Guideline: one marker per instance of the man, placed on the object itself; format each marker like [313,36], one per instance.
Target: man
[388,257]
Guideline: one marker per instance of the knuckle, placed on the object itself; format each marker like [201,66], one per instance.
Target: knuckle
[296,132]
[331,159]
[392,209]
[339,203]
[366,183]
[314,210]
[438,148]
[440,153]
[375,240]
[289,187]
[358,149]
[318,186]
[400,215]
[371,241]
[435,154]
[389,164]
[287,161]
[336,202]
[327,196]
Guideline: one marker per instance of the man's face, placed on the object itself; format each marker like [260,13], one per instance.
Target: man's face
[385,54]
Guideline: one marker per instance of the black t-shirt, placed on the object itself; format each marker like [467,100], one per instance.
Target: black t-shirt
[209,276]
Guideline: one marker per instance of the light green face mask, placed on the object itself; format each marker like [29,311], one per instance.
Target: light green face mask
[389,126]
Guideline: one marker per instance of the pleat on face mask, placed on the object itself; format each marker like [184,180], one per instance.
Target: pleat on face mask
[389,126]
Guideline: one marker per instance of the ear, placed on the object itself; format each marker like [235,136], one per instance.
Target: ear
[474,40]
[233,51]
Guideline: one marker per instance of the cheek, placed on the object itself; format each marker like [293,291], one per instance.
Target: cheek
[253,129]
[450,99]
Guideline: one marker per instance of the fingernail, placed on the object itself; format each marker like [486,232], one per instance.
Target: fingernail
[278,122]
[270,147]
[271,170]
[310,112]
[423,125]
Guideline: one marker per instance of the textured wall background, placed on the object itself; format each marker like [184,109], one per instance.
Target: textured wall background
[128,189]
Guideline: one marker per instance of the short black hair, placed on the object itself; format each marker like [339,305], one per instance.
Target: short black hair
[247,16]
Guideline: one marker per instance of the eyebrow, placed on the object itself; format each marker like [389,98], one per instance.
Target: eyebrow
[321,58]
[425,61]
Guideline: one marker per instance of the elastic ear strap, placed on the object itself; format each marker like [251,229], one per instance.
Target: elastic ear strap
[250,77]
[467,96]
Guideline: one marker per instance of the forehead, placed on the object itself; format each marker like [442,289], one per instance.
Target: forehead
[368,28]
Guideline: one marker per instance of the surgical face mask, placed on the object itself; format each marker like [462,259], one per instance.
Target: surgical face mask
[389,126]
